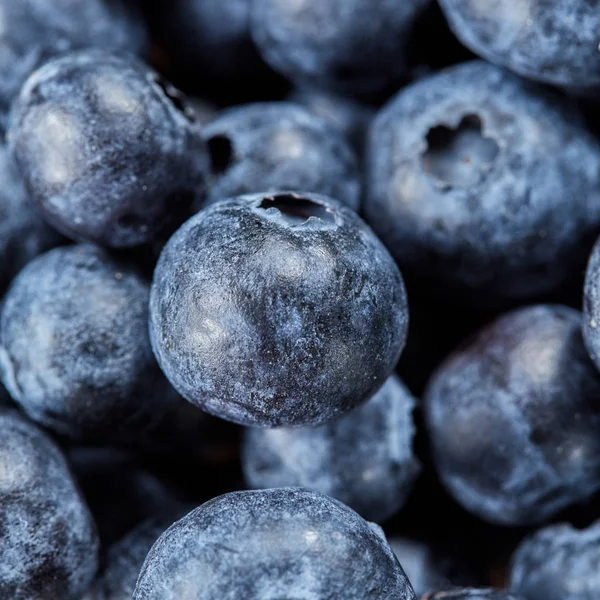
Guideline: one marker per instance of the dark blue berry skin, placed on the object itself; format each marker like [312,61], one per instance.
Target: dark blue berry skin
[49,545]
[483,185]
[591,306]
[365,459]
[558,563]
[125,559]
[74,347]
[280,543]
[545,40]
[472,594]
[348,46]
[35,30]
[514,419]
[108,151]
[277,310]
[266,147]
[23,235]
[348,116]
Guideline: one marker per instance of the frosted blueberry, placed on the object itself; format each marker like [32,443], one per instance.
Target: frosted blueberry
[365,458]
[281,543]
[277,309]
[109,151]
[49,545]
[514,418]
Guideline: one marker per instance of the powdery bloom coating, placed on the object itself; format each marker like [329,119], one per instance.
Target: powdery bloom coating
[591,306]
[547,40]
[49,545]
[274,146]
[492,411]
[558,563]
[277,310]
[349,46]
[365,458]
[280,543]
[483,185]
[23,234]
[108,151]
[74,346]
[33,31]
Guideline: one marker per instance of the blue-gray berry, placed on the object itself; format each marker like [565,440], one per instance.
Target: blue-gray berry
[34,31]
[546,40]
[23,234]
[591,306]
[365,458]
[277,309]
[280,543]
[110,153]
[49,545]
[349,46]
[513,418]
[483,185]
[266,147]
[74,346]
[558,563]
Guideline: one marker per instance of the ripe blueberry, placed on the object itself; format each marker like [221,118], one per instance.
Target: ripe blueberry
[108,150]
[277,309]
[280,543]
[514,420]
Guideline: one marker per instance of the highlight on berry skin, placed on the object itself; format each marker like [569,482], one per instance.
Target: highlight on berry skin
[299,300]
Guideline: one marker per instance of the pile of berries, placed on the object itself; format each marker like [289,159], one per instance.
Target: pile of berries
[299,300]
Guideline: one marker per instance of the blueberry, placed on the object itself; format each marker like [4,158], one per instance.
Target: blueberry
[591,306]
[558,563]
[281,543]
[108,150]
[125,559]
[279,145]
[212,39]
[49,546]
[514,419]
[472,594]
[347,115]
[23,235]
[546,40]
[483,185]
[276,310]
[349,46]
[74,346]
[120,490]
[35,30]
[365,459]
[429,570]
